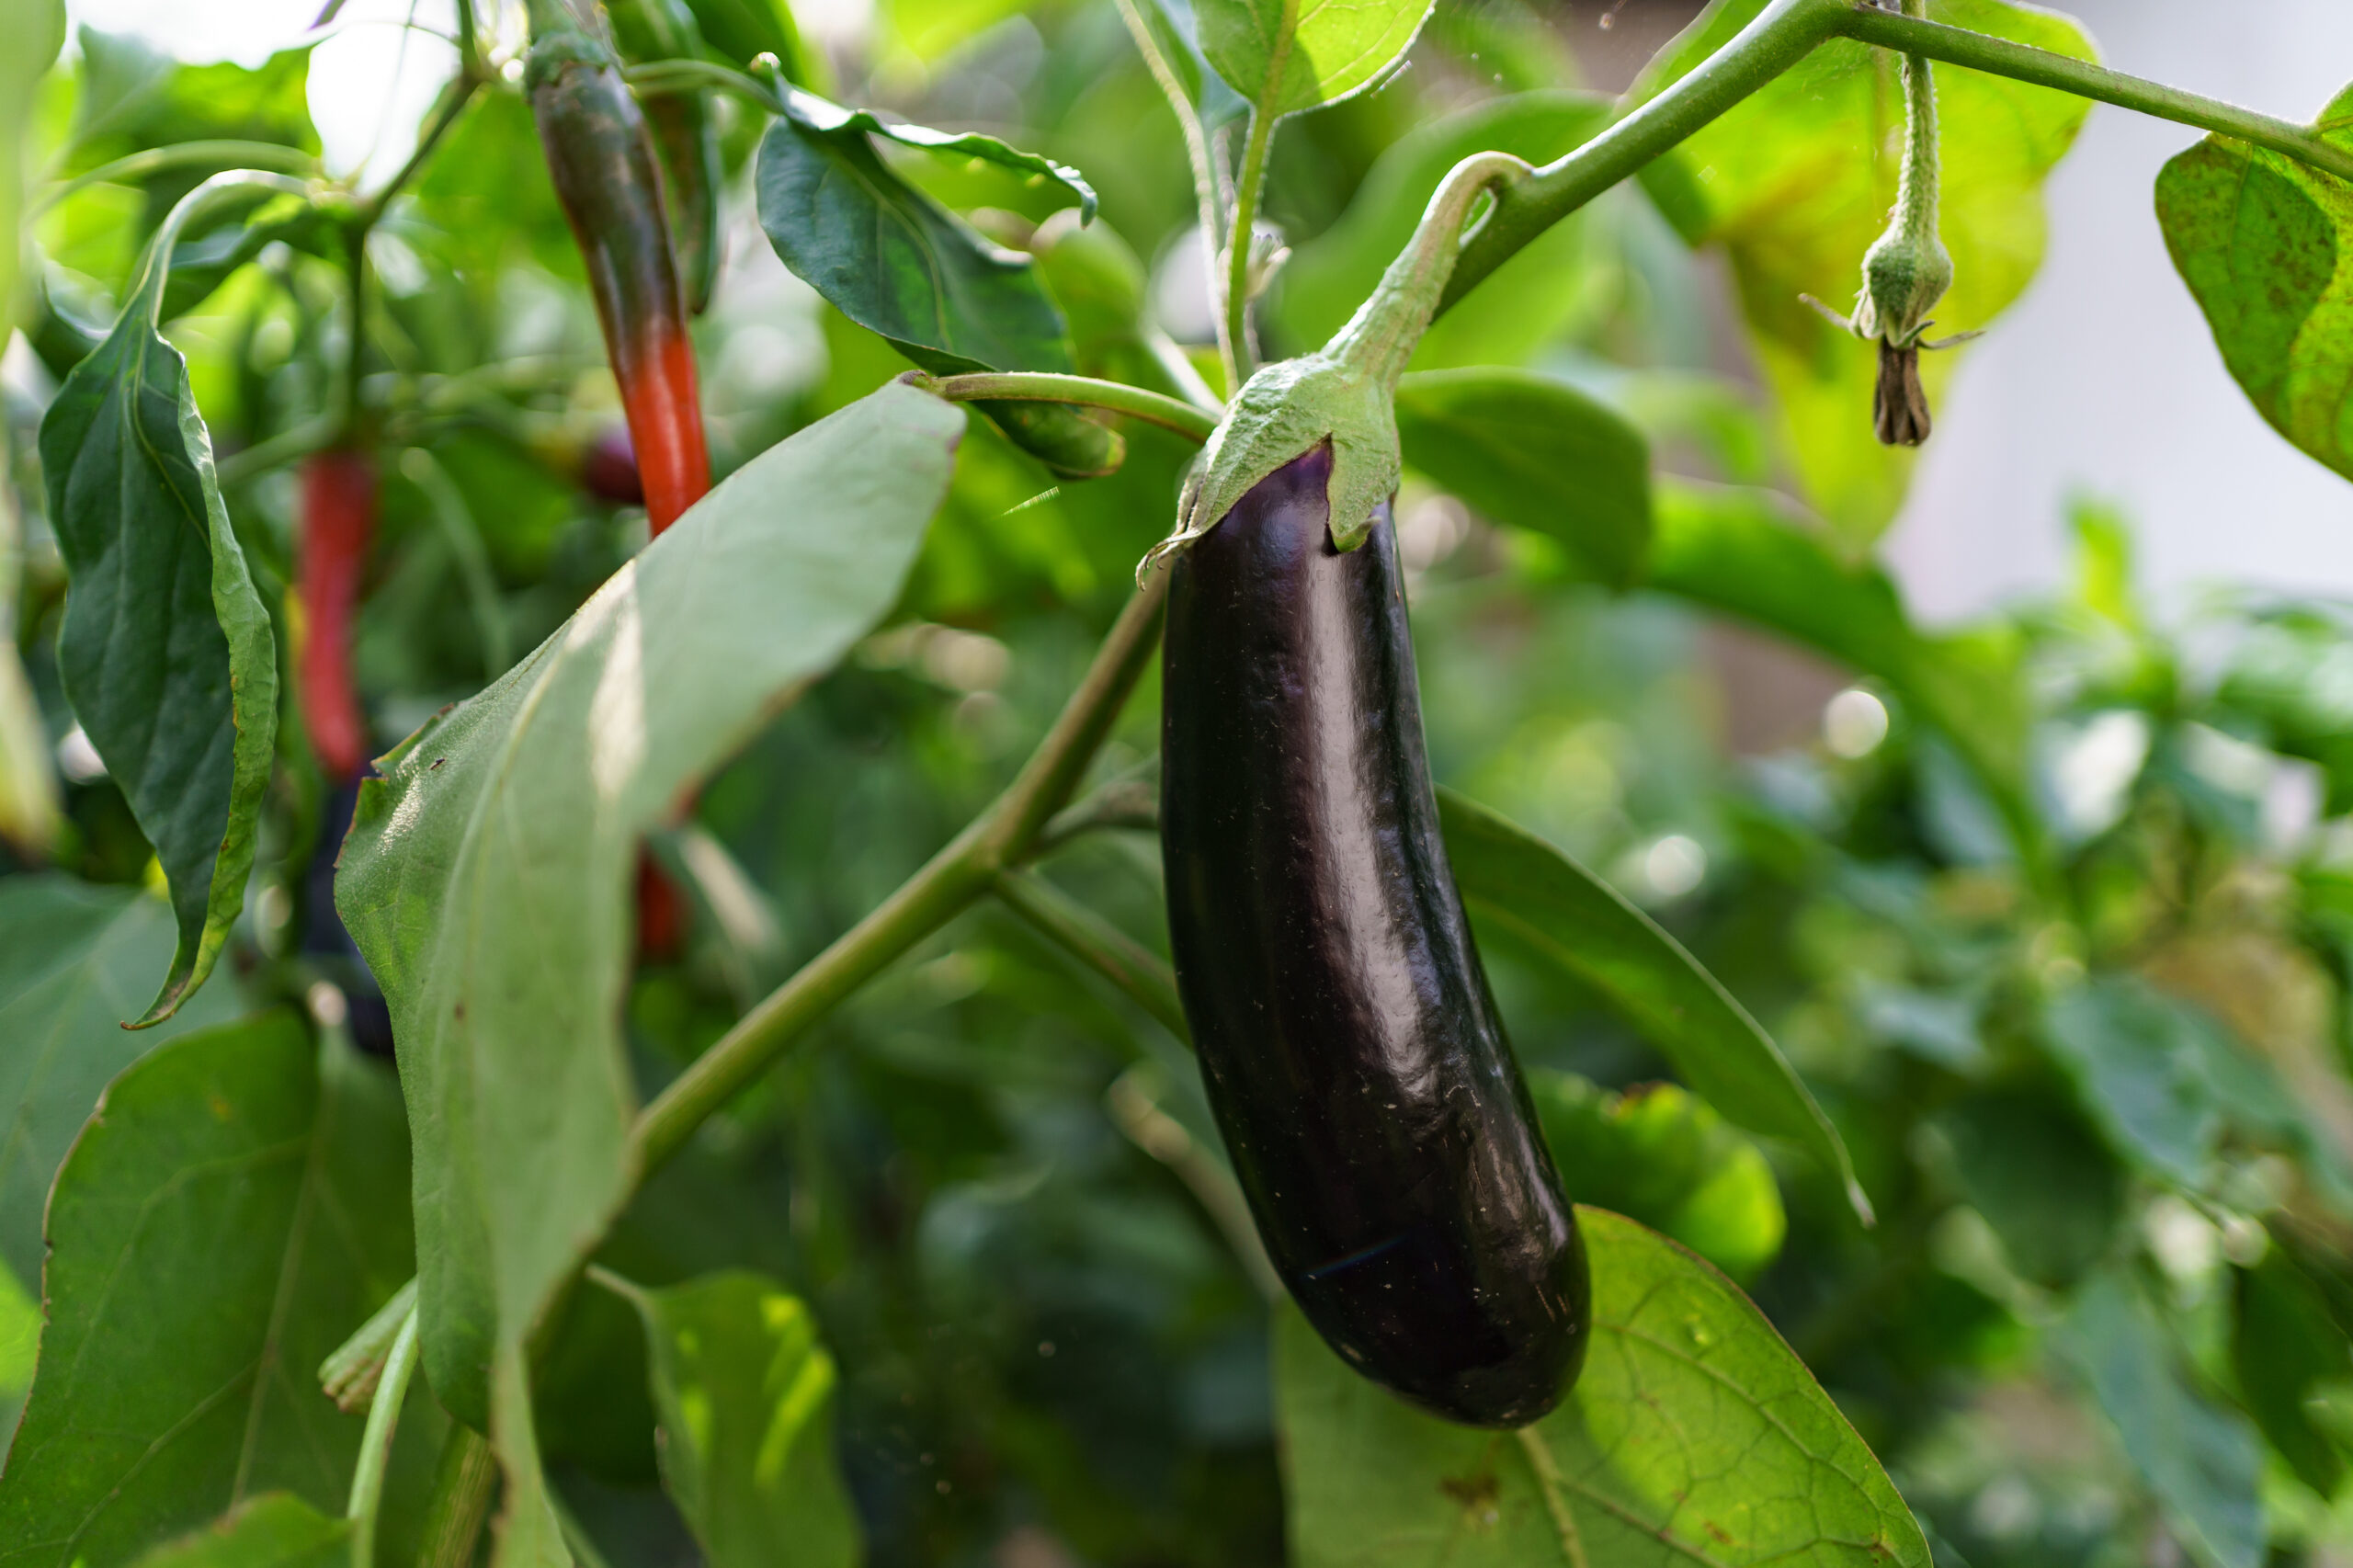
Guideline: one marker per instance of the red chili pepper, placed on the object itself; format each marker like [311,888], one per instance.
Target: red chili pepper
[606,175]
[339,521]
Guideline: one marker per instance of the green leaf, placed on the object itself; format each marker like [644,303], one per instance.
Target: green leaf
[744,1395]
[745,30]
[2041,1178]
[1752,554]
[1287,55]
[1537,453]
[2278,680]
[1520,312]
[819,117]
[899,265]
[487,876]
[1660,1155]
[30,35]
[2258,238]
[2164,1080]
[244,1170]
[890,259]
[1796,182]
[1694,1436]
[2285,1348]
[167,653]
[73,958]
[276,1530]
[1516,885]
[2201,1459]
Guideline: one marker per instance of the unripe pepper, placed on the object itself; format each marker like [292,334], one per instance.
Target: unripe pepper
[336,525]
[1351,1049]
[601,157]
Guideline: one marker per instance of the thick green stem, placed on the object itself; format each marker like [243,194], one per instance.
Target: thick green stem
[1915,190]
[1247,183]
[1110,952]
[1784,33]
[996,840]
[2022,63]
[1041,386]
[1381,337]
[376,1444]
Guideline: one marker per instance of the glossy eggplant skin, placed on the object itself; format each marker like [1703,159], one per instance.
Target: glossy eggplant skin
[1351,1049]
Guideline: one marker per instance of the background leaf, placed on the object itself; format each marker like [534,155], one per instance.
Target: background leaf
[2261,239]
[1287,55]
[2285,1348]
[1795,182]
[819,117]
[1537,453]
[1519,311]
[2201,1459]
[73,960]
[1516,884]
[276,1530]
[1694,1436]
[241,1168]
[744,1394]
[487,876]
[167,653]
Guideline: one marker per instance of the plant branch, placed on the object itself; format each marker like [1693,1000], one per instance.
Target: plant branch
[463,1485]
[1247,183]
[1784,33]
[1134,968]
[660,78]
[999,838]
[288,445]
[1042,386]
[155,160]
[376,1443]
[2023,62]
[1197,152]
[456,94]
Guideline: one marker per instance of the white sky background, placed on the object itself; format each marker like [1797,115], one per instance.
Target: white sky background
[2104,381]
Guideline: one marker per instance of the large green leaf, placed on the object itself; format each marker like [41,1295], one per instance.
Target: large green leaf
[1287,55]
[487,875]
[893,260]
[1537,453]
[1796,183]
[820,118]
[1517,886]
[2261,239]
[235,1208]
[73,960]
[2201,1459]
[276,1530]
[1694,1437]
[167,651]
[744,1395]
[1660,1155]
[1752,554]
[1516,314]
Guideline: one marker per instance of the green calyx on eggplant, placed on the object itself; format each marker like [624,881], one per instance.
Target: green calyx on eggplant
[1350,1046]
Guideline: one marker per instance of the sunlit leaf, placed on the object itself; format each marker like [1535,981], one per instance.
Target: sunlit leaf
[1283,56]
[744,1394]
[488,875]
[1517,886]
[1694,1436]
[167,651]
[2260,239]
[1796,182]
[1534,452]
[242,1170]
[1662,1157]
[2200,1458]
